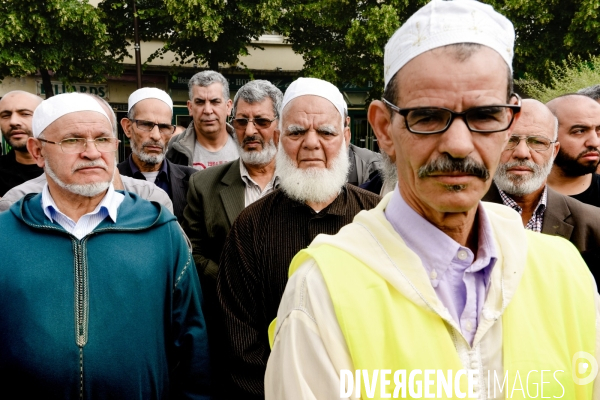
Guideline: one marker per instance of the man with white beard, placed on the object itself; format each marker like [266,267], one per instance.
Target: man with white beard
[148,127]
[313,198]
[99,294]
[520,183]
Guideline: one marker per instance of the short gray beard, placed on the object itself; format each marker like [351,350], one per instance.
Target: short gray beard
[388,170]
[84,189]
[258,158]
[521,185]
[315,185]
[152,159]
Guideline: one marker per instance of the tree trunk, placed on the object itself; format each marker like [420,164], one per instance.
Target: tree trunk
[46,83]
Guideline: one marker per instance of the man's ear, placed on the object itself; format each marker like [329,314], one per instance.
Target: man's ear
[380,119]
[276,137]
[229,107]
[126,125]
[555,150]
[347,135]
[34,147]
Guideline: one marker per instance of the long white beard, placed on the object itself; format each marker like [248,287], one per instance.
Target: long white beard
[144,157]
[315,185]
[520,185]
[83,189]
[257,158]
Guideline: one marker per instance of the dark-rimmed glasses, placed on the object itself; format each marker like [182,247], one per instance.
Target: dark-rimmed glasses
[79,145]
[261,123]
[535,143]
[483,119]
[147,126]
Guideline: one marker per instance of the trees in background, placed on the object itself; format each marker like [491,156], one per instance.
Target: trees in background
[63,37]
[340,40]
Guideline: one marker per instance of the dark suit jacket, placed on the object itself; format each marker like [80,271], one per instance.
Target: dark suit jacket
[571,219]
[179,175]
[215,199]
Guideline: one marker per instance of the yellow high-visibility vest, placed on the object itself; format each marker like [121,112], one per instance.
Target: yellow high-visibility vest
[550,318]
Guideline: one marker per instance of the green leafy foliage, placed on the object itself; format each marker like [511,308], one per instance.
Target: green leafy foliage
[548,31]
[342,41]
[217,31]
[571,75]
[67,37]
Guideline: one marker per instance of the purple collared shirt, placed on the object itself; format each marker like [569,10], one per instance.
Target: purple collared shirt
[459,279]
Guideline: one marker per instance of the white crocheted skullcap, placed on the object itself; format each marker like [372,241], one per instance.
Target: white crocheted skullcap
[57,106]
[149,93]
[440,23]
[315,87]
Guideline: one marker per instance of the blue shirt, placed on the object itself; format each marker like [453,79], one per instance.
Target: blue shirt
[162,179]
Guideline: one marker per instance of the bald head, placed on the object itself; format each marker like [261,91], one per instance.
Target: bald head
[527,161]
[16,112]
[578,128]
[536,119]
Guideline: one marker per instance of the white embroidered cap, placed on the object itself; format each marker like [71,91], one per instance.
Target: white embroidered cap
[315,87]
[440,23]
[149,93]
[55,107]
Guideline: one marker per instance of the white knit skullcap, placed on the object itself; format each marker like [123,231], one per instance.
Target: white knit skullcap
[149,93]
[55,107]
[440,23]
[315,87]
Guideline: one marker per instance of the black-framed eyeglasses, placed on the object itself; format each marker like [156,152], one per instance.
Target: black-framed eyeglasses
[79,145]
[483,119]
[242,123]
[147,126]
[535,143]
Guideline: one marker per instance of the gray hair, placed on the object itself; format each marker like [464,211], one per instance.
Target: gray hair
[257,91]
[207,78]
[591,91]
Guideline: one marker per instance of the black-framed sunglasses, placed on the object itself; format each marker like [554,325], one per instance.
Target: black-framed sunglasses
[242,123]
[79,145]
[483,119]
[535,143]
[147,126]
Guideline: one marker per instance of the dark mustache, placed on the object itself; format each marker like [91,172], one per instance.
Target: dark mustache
[446,163]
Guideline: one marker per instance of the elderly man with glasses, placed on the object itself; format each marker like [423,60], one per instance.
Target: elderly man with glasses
[520,183]
[217,195]
[434,292]
[148,127]
[99,298]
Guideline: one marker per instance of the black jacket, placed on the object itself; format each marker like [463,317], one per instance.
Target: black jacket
[179,177]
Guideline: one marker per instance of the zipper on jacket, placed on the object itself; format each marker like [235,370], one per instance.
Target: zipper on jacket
[81,294]
[81,303]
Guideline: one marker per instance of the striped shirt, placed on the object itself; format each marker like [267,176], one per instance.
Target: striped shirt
[86,224]
[254,269]
[536,220]
[253,191]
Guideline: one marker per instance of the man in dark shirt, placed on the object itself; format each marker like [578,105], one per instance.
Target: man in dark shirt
[148,127]
[573,173]
[313,198]
[16,112]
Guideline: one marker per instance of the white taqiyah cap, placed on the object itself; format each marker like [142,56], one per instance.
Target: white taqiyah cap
[149,93]
[55,107]
[440,23]
[315,87]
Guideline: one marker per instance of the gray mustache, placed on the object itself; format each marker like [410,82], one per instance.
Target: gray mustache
[446,163]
